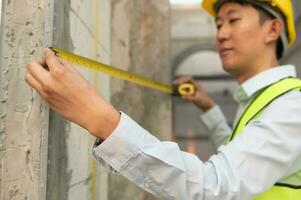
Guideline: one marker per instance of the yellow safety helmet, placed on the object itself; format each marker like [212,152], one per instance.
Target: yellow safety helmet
[284,6]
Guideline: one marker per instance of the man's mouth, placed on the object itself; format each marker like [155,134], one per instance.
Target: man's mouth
[225,51]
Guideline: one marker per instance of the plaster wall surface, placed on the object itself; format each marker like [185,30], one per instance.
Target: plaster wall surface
[0,11]
[140,44]
[131,35]
[81,27]
[23,115]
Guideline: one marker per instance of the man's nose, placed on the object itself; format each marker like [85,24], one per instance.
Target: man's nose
[223,33]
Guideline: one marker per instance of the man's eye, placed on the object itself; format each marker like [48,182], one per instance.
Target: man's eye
[234,20]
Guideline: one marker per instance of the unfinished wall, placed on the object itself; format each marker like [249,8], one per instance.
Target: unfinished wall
[130,34]
[140,43]
[0,11]
[81,27]
[23,116]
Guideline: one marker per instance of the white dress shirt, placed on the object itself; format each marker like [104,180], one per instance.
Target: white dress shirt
[268,150]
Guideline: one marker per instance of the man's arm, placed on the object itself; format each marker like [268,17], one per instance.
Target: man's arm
[263,154]
[216,123]
[213,117]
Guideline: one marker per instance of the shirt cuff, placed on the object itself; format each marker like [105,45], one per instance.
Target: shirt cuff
[124,143]
[213,117]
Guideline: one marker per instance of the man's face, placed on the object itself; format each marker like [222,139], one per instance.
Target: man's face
[239,37]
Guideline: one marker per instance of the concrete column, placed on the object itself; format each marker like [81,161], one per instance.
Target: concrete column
[140,44]
[132,35]
[138,31]
[82,27]
[27,29]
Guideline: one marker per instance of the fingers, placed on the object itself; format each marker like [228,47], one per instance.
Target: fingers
[185,79]
[63,61]
[193,81]
[41,60]
[182,80]
[34,84]
[66,64]
[37,71]
[51,59]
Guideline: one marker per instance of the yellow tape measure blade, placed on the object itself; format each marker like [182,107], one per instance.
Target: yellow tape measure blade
[112,71]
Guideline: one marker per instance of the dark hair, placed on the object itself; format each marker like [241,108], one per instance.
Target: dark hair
[263,16]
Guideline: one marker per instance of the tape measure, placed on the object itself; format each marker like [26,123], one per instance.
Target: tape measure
[186,89]
[183,89]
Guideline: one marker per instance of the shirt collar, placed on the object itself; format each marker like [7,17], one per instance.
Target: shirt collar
[253,85]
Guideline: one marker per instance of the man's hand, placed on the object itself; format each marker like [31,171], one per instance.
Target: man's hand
[200,99]
[68,93]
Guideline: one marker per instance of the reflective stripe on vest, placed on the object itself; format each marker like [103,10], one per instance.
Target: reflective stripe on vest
[280,191]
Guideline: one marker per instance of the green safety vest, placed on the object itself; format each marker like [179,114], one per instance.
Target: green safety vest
[286,189]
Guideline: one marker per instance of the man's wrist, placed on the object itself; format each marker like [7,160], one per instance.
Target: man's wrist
[98,142]
[104,124]
[205,106]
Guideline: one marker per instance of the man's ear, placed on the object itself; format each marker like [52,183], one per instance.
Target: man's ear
[274,29]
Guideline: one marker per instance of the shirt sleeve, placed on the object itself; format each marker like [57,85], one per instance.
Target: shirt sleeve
[265,152]
[217,125]
[162,169]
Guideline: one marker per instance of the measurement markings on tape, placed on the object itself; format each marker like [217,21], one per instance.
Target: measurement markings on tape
[184,89]
[112,71]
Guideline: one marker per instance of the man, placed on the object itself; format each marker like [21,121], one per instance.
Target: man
[261,159]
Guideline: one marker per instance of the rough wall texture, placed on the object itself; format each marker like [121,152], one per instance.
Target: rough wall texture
[140,43]
[58,174]
[139,32]
[24,117]
[140,35]
[72,172]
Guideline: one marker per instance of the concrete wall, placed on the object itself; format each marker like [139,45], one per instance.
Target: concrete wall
[45,157]
[23,116]
[132,35]
[140,44]
[83,28]
[0,11]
